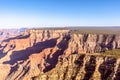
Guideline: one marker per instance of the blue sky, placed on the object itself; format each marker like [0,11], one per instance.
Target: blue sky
[47,13]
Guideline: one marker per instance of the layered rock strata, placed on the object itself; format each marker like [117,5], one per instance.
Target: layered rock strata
[58,55]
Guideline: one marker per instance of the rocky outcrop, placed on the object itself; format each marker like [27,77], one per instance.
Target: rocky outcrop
[58,54]
[91,43]
[83,67]
[9,33]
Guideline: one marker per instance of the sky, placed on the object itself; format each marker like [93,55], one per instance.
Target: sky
[59,13]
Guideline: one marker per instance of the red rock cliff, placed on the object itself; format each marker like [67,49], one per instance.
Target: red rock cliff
[38,51]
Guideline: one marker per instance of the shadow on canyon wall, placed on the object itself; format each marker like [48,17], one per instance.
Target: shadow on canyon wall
[63,45]
[2,54]
[17,37]
[24,54]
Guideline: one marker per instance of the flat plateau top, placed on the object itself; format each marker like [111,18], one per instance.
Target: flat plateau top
[92,30]
[97,30]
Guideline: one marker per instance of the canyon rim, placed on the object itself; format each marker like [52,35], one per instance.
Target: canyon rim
[60,54]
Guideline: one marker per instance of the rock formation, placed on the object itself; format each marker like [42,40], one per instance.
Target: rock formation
[42,54]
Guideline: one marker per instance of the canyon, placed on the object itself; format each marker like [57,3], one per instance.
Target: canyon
[60,54]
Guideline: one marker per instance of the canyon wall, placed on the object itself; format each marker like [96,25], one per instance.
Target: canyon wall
[83,67]
[58,55]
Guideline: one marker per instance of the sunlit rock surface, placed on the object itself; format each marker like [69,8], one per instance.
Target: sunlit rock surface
[49,54]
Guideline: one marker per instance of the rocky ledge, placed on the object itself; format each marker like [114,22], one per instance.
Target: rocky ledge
[60,54]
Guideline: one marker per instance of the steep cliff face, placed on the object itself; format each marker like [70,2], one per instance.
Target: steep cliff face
[83,67]
[9,33]
[91,43]
[58,54]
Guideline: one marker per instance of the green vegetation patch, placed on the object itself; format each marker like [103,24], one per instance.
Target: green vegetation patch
[113,53]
